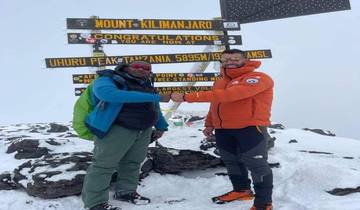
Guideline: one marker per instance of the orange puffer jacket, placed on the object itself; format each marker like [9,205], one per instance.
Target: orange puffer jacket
[239,99]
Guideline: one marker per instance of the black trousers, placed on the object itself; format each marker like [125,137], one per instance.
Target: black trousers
[244,150]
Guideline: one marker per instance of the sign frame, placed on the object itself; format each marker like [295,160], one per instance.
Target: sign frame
[71,62]
[150,24]
[158,77]
[164,90]
[153,39]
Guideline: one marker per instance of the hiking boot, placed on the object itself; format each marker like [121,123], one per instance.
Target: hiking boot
[267,206]
[233,196]
[132,197]
[104,206]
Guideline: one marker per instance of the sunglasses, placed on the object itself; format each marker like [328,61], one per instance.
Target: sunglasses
[223,60]
[141,65]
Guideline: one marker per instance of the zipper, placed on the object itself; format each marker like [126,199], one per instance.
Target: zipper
[218,112]
[252,107]
[101,105]
[218,108]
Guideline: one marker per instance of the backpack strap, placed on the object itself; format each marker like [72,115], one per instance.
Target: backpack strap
[118,79]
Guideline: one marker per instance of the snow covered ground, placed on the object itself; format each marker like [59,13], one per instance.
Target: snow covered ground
[299,184]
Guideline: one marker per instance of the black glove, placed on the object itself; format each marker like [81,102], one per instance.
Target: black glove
[156,134]
[165,97]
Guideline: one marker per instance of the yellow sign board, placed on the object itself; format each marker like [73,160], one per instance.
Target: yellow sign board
[150,24]
[152,39]
[158,77]
[165,90]
[155,59]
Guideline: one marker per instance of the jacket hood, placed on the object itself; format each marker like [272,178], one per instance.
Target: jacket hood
[105,72]
[249,66]
[122,76]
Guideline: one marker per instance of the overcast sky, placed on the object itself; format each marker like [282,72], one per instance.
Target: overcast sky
[315,64]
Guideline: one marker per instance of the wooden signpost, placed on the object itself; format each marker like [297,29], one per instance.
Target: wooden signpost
[201,60]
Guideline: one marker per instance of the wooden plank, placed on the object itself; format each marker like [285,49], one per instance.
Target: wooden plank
[70,62]
[150,24]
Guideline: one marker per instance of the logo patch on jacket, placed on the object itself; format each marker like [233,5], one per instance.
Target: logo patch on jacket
[252,81]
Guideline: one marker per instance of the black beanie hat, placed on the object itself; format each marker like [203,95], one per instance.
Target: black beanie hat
[121,66]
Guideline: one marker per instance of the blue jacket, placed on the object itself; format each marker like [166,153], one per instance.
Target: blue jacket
[109,100]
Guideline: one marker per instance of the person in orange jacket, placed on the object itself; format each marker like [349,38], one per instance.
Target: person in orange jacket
[240,108]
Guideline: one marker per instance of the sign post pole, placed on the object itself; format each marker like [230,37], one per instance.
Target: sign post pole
[97,49]
[196,68]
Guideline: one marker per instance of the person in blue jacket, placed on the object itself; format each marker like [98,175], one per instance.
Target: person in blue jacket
[127,107]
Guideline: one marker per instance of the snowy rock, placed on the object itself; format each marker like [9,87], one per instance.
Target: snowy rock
[68,135]
[54,175]
[277,126]
[147,167]
[195,118]
[344,191]
[271,142]
[208,143]
[57,128]
[6,182]
[319,131]
[317,152]
[173,161]
[310,168]
[27,148]
[293,141]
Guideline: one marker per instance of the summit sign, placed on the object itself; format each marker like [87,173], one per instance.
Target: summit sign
[150,24]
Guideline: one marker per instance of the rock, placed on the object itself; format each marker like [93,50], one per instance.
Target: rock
[27,148]
[16,138]
[54,175]
[293,141]
[173,161]
[171,202]
[70,135]
[319,131]
[317,152]
[48,175]
[221,174]
[217,152]
[277,126]
[344,191]
[40,127]
[52,141]
[207,143]
[6,182]
[194,118]
[147,167]
[274,165]
[271,142]
[57,128]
